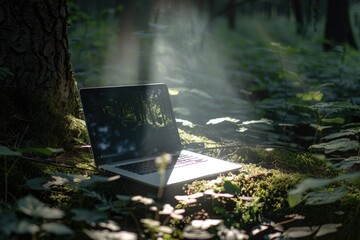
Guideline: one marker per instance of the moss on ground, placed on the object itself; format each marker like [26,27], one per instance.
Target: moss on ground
[269,187]
[285,160]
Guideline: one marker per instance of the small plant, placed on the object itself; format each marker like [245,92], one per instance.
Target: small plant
[34,219]
[323,191]
[10,159]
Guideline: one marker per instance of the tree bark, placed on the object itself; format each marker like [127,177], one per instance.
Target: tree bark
[38,95]
[338,28]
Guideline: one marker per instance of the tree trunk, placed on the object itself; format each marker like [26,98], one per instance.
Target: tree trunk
[338,28]
[38,94]
[297,8]
[231,14]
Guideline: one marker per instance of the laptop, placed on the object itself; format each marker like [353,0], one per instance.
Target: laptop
[131,126]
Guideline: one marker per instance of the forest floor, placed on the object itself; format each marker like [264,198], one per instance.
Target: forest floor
[254,200]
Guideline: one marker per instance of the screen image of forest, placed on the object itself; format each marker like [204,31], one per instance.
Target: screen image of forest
[130,123]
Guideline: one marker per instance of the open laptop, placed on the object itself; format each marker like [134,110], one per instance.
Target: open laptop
[130,126]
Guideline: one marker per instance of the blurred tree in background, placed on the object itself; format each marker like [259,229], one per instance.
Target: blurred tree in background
[338,30]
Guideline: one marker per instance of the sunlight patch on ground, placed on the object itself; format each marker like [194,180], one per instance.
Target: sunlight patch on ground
[188,138]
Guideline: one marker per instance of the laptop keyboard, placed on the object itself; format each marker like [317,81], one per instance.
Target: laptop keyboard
[146,167]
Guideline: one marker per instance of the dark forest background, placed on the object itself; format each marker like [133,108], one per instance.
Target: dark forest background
[240,59]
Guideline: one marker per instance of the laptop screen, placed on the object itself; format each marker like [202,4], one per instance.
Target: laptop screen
[129,122]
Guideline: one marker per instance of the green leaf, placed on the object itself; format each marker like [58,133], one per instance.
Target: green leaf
[286,125]
[79,180]
[125,198]
[313,183]
[57,181]
[150,223]
[338,135]
[56,228]
[98,179]
[348,162]
[276,44]
[327,229]
[8,223]
[310,183]
[342,144]
[294,199]
[55,150]
[319,127]
[37,183]
[73,179]
[231,188]
[317,96]
[302,232]
[25,227]
[31,206]
[355,125]
[311,96]
[106,234]
[331,107]
[333,120]
[44,151]
[165,230]
[325,196]
[88,216]
[292,76]
[295,195]
[299,232]
[5,151]
[191,232]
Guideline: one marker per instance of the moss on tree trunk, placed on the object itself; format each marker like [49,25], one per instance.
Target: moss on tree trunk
[38,92]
